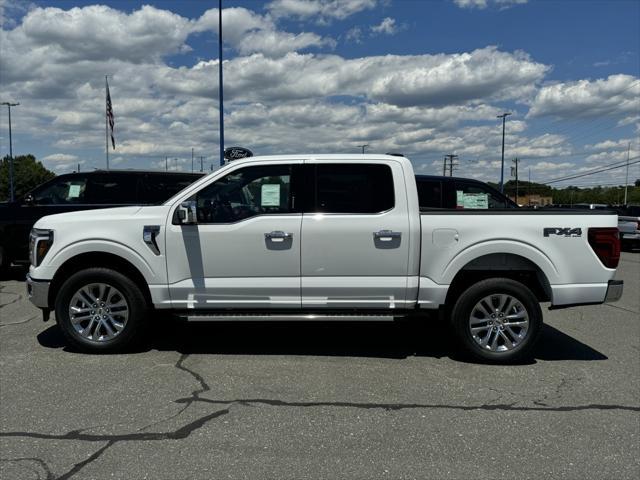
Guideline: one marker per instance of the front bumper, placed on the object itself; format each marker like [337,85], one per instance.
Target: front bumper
[38,292]
[614,291]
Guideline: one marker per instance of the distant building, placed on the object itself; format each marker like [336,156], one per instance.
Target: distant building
[533,200]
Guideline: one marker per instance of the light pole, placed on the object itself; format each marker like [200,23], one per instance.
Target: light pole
[503,116]
[363,147]
[11,189]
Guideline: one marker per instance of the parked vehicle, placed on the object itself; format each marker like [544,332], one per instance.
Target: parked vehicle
[451,192]
[591,206]
[81,191]
[629,226]
[321,237]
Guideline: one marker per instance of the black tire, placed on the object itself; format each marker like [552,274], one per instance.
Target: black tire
[465,306]
[135,300]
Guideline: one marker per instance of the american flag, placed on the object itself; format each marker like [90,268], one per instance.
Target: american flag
[110,117]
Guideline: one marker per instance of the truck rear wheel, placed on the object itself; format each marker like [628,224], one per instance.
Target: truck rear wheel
[497,320]
[100,310]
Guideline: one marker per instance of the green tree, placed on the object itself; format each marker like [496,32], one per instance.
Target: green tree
[27,174]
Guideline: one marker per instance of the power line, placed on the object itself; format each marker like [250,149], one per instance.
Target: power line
[594,168]
[592,173]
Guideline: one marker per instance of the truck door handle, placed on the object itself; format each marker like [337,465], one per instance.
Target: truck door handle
[386,235]
[278,236]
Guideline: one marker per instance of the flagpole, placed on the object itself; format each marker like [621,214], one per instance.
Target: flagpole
[220,82]
[106,122]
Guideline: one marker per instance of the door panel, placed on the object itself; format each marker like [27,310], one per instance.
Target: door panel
[245,250]
[216,266]
[357,260]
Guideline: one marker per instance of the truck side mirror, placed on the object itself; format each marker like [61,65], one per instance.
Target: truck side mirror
[187,213]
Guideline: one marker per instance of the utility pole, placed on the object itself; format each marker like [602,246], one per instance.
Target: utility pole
[626,179]
[451,158]
[363,147]
[529,187]
[504,117]
[221,106]
[166,164]
[11,187]
[175,163]
[201,163]
[516,161]
[444,166]
[191,159]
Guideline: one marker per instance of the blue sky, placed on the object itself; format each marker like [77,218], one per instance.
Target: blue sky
[426,78]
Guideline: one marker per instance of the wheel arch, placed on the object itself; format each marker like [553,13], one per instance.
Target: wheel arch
[98,259]
[500,265]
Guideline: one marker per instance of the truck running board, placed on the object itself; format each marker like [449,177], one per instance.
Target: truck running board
[286,317]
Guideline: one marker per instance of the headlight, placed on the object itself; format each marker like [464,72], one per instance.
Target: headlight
[40,242]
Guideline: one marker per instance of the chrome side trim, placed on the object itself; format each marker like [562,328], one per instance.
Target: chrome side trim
[242,317]
[38,292]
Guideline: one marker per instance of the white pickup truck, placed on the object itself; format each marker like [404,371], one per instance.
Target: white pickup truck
[327,237]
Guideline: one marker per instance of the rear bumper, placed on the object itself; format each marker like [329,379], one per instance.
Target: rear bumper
[614,291]
[38,292]
[571,295]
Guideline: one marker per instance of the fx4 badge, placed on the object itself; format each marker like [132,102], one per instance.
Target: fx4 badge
[563,232]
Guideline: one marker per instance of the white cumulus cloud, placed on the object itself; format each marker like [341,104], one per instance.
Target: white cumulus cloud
[616,94]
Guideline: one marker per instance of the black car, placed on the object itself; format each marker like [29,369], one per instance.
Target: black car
[82,191]
[459,193]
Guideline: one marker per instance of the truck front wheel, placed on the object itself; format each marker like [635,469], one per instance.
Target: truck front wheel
[100,310]
[497,320]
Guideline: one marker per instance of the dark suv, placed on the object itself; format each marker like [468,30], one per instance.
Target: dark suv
[456,193]
[82,191]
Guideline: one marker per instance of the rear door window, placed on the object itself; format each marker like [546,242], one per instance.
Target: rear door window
[353,188]
[112,188]
[475,196]
[429,193]
[158,188]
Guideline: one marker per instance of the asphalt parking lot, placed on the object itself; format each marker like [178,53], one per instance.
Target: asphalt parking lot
[322,400]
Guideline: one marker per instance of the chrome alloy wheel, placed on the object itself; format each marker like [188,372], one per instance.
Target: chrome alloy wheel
[499,323]
[98,312]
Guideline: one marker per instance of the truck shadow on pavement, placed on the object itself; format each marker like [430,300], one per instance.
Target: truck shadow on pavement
[350,339]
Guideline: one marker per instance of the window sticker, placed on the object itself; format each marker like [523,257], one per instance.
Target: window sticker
[476,200]
[74,191]
[270,195]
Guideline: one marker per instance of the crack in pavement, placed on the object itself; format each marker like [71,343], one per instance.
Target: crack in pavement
[178,434]
[195,394]
[18,323]
[408,406]
[78,466]
[38,461]
[557,393]
[620,308]
[186,430]
[16,300]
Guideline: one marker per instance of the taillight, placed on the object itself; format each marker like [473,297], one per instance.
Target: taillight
[605,242]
